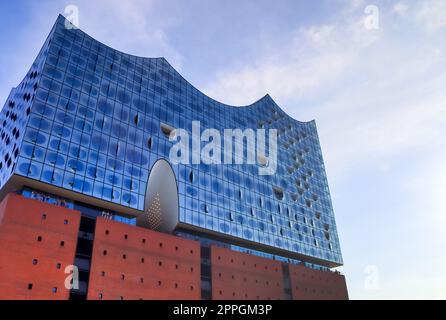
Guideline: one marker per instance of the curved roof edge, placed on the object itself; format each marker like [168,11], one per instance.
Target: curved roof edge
[265,98]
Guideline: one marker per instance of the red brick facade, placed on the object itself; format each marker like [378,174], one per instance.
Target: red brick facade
[237,276]
[310,284]
[37,242]
[136,263]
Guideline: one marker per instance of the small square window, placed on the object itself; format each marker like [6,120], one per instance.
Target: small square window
[58,266]
[54,290]
[30,286]
[39,238]
[44,216]
[35,261]
[65,222]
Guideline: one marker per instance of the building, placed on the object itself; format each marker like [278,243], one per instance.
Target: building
[86,180]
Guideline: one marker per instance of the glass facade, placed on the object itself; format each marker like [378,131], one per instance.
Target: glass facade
[88,118]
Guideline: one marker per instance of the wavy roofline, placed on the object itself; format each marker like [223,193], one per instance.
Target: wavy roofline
[254,104]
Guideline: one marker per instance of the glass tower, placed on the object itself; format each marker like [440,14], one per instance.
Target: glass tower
[91,122]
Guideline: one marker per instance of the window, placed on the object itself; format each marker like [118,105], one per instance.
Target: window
[58,265]
[166,130]
[278,193]
[62,243]
[149,143]
[191,177]
[35,261]
[65,222]
[30,286]
[39,238]
[124,256]
[204,208]
[44,216]
[54,290]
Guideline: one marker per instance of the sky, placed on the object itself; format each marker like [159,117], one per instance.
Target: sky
[373,78]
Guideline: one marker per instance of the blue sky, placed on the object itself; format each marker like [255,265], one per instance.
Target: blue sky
[378,97]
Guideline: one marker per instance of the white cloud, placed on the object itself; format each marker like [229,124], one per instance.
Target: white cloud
[315,57]
[401,8]
[364,88]
[432,14]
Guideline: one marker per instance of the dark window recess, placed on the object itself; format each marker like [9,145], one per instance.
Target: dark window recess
[206,285]
[278,193]
[84,247]
[84,251]
[206,270]
[87,224]
[286,282]
[166,130]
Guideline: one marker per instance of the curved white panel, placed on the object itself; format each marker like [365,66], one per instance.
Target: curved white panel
[161,203]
